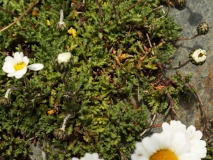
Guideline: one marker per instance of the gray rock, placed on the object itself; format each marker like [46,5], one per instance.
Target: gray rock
[195,12]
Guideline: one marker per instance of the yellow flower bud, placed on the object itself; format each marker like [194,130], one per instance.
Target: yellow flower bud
[72,31]
[50,112]
[48,23]
[75,14]
[35,12]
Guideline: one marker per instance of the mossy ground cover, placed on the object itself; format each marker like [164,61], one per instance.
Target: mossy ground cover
[115,81]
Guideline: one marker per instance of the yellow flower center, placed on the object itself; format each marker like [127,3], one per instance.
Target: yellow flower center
[19,66]
[164,154]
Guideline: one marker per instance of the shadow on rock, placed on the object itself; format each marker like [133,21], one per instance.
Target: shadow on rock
[194,18]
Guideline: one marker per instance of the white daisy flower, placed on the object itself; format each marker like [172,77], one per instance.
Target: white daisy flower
[88,156]
[164,146]
[17,65]
[198,56]
[194,137]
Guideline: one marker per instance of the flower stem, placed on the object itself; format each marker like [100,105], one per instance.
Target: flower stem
[26,81]
[43,155]
[65,122]
[178,67]
[61,16]
[63,77]
[183,38]
[18,19]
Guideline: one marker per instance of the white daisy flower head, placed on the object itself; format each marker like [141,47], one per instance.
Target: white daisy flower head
[17,66]
[88,156]
[198,57]
[192,135]
[63,61]
[164,146]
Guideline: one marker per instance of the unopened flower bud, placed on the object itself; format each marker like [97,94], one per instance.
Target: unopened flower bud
[61,25]
[180,4]
[197,57]
[203,28]
[4,101]
[64,61]
[60,134]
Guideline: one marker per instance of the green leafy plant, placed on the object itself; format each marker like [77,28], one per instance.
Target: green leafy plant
[118,49]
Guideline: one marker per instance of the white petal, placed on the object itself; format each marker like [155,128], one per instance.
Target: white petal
[140,149]
[10,59]
[190,132]
[203,155]
[134,157]
[20,73]
[149,145]
[165,139]
[8,68]
[198,144]
[7,92]
[11,74]
[75,158]
[26,60]
[174,126]
[197,135]
[95,155]
[189,156]
[155,142]
[177,126]
[179,144]
[18,56]
[199,151]
[19,76]
[21,54]
[88,156]
[36,66]
[165,126]
[182,128]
